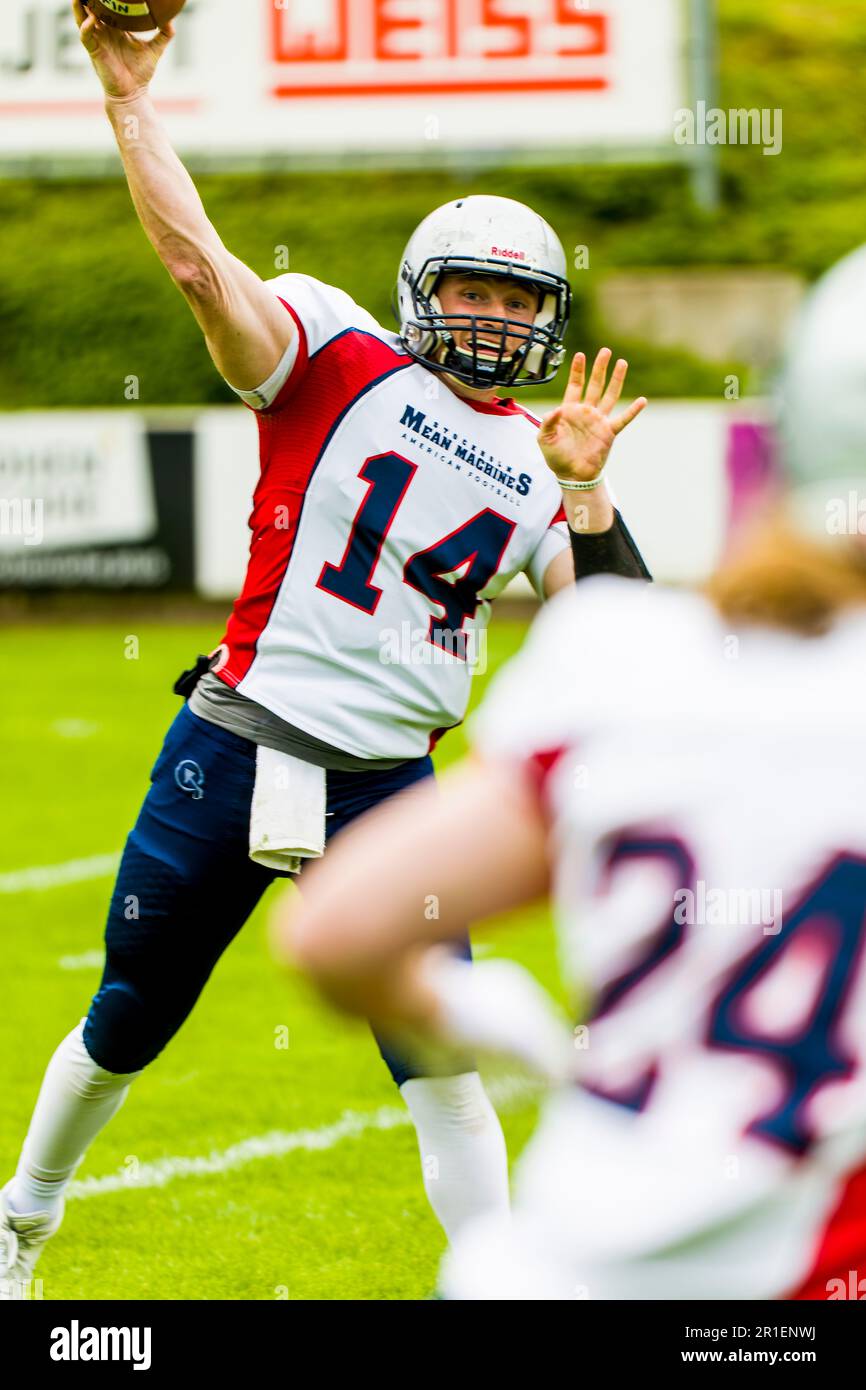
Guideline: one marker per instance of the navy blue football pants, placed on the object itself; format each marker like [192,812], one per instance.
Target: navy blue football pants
[186,886]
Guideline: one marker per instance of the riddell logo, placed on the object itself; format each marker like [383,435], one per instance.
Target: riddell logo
[512,255]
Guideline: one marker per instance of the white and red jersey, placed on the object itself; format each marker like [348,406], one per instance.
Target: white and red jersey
[388,514]
[706,796]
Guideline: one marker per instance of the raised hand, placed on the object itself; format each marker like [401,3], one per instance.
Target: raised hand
[577,437]
[123,63]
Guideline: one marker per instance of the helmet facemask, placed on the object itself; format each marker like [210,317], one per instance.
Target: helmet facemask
[430,335]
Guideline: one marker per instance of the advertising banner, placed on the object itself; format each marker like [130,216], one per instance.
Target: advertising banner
[275,81]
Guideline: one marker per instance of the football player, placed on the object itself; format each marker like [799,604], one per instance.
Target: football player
[695,810]
[400,491]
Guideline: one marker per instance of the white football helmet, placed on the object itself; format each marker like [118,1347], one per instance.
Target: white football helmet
[485,236]
[823,396]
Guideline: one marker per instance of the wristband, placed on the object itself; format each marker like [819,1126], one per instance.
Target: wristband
[607,552]
[568,486]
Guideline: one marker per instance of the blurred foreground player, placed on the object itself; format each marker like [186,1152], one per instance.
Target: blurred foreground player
[399,494]
[696,810]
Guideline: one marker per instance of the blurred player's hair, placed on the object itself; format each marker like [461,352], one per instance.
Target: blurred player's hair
[804,561]
[781,578]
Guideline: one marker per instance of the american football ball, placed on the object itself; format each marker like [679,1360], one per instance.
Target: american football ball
[135,15]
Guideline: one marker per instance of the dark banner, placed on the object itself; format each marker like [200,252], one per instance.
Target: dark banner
[95,502]
[261,1339]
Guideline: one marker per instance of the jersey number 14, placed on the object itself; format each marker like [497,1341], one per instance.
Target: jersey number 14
[471,555]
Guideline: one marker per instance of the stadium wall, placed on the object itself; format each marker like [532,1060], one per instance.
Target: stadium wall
[128,500]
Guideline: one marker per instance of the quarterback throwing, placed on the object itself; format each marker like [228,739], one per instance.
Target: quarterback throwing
[398,487]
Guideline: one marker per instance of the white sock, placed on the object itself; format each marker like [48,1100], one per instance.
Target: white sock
[76,1101]
[463,1154]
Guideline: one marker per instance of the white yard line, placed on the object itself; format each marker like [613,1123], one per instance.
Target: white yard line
[507,1094]
[274,1145]
[45,876]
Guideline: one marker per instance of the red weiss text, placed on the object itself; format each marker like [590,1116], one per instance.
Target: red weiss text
[471,45]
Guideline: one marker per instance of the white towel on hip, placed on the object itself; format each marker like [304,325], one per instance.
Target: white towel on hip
[287,818]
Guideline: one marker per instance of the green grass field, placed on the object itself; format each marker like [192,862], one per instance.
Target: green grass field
[348,1220]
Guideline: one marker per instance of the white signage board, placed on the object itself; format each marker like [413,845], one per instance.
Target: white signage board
[250,81]
[72,480]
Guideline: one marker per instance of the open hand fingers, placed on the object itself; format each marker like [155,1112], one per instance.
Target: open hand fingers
[91,30]
[550,426]
[164,37]
[628,415]
[576,378]
[83,17]
[599,375]
[615,385]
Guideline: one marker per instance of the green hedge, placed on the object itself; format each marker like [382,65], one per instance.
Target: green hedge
[84,303]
